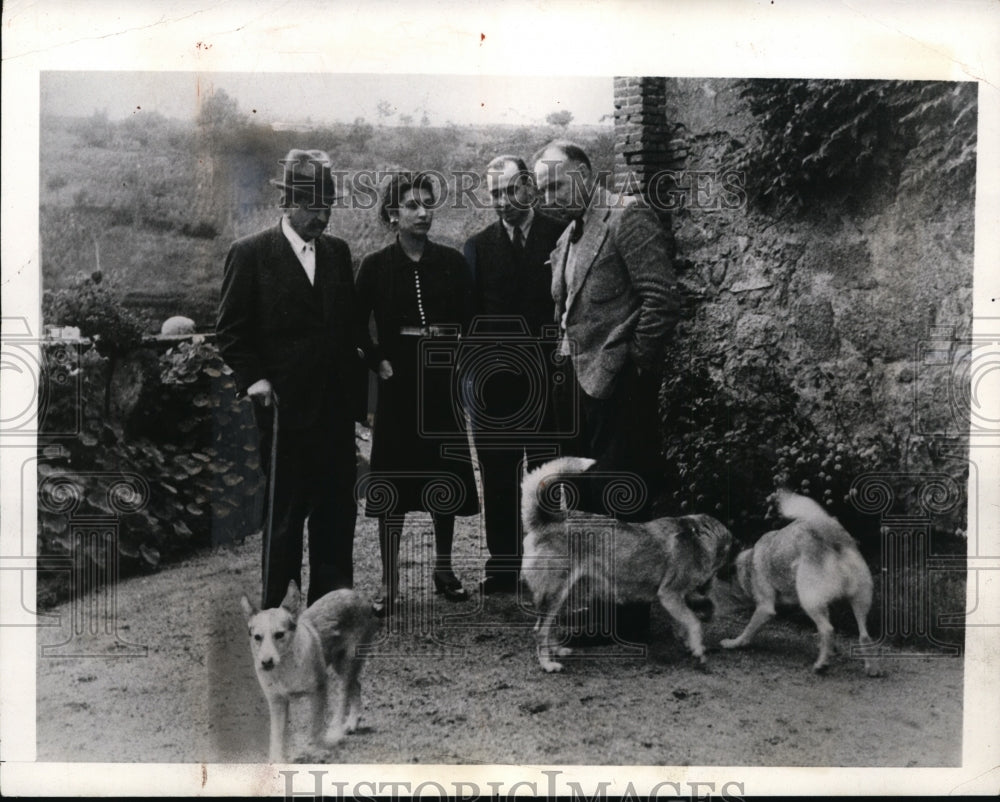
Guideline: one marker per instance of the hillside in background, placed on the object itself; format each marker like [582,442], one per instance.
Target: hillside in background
[154,203]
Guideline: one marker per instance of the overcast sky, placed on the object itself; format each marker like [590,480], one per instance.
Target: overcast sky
[292,97]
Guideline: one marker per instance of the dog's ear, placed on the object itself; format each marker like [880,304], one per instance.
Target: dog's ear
[291,600]
[248,608]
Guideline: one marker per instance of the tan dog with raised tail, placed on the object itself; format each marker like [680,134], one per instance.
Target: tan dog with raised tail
[811,562]
[292,653]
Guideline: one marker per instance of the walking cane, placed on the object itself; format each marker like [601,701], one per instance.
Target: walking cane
[269,523]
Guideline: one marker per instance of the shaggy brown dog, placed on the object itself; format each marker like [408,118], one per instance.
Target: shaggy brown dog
[668,559]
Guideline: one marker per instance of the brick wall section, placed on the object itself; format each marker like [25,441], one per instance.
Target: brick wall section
[646,142]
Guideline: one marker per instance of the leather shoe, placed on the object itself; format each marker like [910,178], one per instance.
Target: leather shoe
[447,584]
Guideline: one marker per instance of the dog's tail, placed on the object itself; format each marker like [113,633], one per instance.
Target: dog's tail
[799,508]
[802,508]
[541,499]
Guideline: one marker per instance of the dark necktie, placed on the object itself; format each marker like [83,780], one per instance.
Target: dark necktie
[518,241]
[577,232]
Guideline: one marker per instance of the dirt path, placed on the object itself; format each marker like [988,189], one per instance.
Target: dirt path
[469,689]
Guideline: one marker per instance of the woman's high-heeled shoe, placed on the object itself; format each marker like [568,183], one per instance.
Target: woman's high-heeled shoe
[447,584]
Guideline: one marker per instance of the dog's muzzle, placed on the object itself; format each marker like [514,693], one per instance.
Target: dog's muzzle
[267,665]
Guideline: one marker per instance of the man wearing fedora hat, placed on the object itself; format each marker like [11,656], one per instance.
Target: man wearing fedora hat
[287,327]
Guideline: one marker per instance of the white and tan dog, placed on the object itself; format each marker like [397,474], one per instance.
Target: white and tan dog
[668,558]
[292,653]
[811,562]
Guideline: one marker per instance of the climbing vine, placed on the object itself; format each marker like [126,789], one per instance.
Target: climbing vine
[818,138]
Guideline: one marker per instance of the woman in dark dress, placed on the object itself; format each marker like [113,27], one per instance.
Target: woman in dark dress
[418,292]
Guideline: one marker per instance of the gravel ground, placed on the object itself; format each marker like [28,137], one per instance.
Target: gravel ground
[460,684]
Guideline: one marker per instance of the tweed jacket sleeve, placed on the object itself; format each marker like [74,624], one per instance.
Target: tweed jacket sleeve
[642,244]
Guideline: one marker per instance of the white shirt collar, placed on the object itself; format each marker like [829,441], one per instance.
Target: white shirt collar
[304,251]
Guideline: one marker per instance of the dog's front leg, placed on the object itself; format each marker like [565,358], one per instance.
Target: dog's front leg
[338,702]
[278,707]
[682,614]
[317,712]
[352,695]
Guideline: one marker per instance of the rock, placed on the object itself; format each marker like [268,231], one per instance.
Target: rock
[177,325]
[815,325]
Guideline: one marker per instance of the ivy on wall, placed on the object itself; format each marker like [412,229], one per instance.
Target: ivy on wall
[817,137]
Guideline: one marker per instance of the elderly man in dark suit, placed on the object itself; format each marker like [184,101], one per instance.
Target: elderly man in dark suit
[616,301]
[287,328]
[510,400]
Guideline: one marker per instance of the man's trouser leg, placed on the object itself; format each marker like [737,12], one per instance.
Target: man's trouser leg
[333,509]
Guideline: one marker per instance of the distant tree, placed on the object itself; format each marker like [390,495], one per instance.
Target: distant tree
[384,111]
[97,131]
[219,111]
[425,120]
[561,118]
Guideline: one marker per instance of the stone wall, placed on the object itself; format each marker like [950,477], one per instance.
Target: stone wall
[863,303]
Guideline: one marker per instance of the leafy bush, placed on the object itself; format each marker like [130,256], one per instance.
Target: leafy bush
[730,441]
[97,131]
[191,442]
[825,467]
[722,436]
[95,308]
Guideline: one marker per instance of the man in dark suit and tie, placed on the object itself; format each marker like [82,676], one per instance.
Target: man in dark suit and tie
[511,373]
[287,328]
[616,301]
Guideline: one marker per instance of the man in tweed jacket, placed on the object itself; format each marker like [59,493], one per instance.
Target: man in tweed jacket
[616,300]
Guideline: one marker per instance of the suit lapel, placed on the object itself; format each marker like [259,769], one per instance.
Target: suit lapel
[558,263]
[291,280]
[533,244]
[595,231]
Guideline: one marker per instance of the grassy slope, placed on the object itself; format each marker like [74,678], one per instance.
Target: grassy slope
[119,196]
